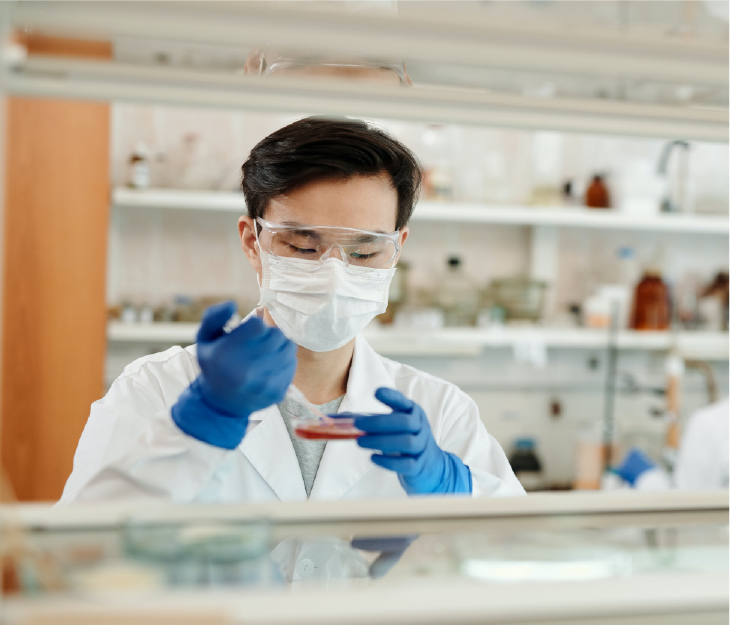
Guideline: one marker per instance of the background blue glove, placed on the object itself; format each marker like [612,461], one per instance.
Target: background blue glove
[391,550]
[405,438]
[243,371]
[635,463]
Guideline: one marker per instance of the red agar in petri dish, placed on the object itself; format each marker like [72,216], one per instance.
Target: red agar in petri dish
[319,430]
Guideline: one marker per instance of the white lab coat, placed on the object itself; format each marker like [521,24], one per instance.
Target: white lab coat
[131,448]
[702,458]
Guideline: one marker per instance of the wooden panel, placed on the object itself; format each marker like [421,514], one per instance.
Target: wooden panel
[56,229]
[42,44]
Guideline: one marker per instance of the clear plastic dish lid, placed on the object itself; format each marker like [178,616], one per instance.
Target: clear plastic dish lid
[316,425]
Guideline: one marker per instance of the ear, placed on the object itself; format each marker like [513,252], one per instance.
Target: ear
[402,240]
[247,233]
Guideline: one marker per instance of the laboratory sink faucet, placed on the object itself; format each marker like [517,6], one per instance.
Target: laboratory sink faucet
[669,205]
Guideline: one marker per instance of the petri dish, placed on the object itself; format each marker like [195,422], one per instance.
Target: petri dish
[321,428]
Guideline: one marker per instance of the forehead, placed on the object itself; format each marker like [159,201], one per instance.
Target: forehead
[366,202]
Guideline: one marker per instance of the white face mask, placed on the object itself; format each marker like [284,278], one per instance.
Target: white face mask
[322,306]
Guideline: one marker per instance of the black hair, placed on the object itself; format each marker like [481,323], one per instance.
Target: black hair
[320,148]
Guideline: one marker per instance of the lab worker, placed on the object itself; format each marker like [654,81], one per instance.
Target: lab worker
[702,459]
[328,205]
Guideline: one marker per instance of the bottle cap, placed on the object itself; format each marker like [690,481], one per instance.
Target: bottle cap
[525,443]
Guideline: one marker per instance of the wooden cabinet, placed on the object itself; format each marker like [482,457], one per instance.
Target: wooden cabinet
[54,261]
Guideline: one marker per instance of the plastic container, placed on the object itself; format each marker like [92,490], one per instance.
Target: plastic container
[598,310]
[521,298]
[526,465]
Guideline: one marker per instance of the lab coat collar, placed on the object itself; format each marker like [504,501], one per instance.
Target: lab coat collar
[269,449]
[344,462]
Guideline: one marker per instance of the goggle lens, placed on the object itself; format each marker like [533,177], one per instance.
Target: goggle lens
[366,249]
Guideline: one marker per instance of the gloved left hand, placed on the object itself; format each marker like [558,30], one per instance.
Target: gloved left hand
[404,436]
[635,463]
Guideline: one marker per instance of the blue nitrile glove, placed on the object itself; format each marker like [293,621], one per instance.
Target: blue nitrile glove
[241,372]
[405,438]
[635,463]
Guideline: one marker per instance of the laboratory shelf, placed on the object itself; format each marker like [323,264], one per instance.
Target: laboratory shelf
[157,332]
[192,199]
[571,217]
[468,341]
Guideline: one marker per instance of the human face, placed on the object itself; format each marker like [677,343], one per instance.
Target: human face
[364,202]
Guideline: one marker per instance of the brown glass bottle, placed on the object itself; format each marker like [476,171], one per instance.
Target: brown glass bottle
[651,309]
[597,194]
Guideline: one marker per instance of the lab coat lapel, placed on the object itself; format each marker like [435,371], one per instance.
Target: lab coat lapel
[268,447]
[344,462]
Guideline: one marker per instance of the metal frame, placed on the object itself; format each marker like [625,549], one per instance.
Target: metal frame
[54,77]
[424,31]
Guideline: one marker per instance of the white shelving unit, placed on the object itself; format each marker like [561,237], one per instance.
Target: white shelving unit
[572,217]
[467,341]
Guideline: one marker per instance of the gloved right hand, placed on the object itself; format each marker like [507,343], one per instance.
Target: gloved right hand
[241,372]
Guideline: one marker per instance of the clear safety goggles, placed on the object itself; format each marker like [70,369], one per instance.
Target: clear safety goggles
[353,246]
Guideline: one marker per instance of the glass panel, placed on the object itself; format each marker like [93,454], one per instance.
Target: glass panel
[149,554]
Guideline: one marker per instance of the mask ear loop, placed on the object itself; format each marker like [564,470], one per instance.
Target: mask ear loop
[256,234]
[260,250]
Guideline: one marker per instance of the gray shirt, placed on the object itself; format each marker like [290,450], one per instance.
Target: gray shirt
[309,451]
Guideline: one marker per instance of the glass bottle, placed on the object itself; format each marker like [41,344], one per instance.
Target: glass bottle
[139,167]
[651,307]
[438,181]
[458,295]
[597,196]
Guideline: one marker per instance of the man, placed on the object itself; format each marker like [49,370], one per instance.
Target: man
[328,205]
[702,458]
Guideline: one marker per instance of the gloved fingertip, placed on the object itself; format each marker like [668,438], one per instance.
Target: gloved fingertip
[251,329]
[394,399]
[360,422]
[214,319]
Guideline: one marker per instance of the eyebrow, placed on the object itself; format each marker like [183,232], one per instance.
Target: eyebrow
[307,232]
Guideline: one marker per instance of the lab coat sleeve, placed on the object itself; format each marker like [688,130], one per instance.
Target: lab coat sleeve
[702,459]
[131,449]
[466,436]
[655,479]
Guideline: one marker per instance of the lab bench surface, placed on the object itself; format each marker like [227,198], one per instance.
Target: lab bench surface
[565,558]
